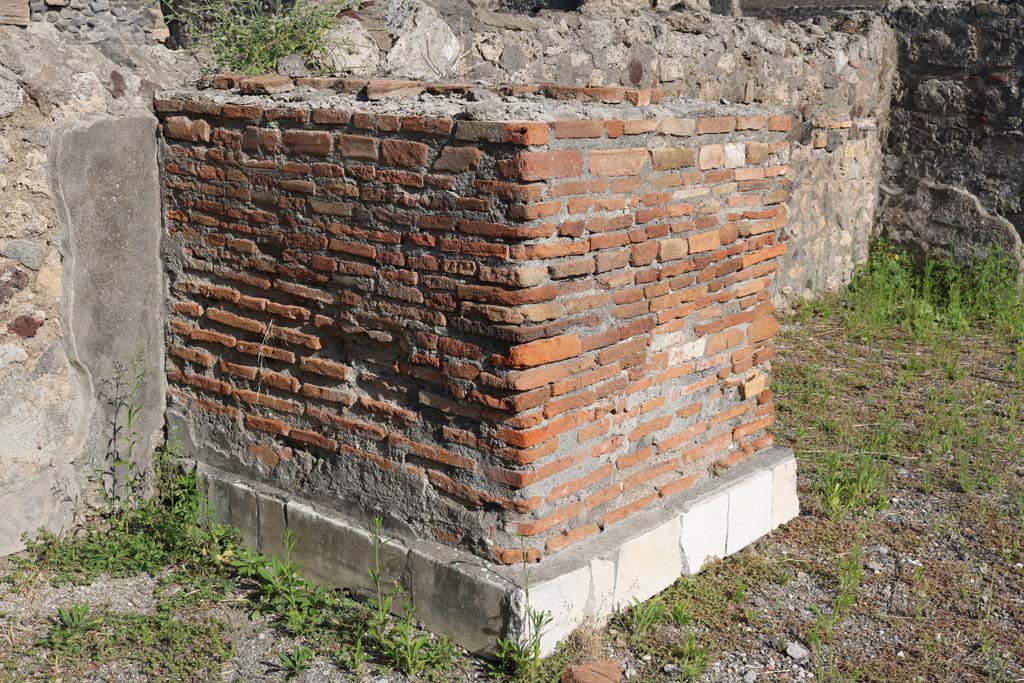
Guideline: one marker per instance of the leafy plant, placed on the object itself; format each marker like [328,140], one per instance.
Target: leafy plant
[850,574]
[243,36]
[72,624]
[694,659]
[843,486]
[519,658]
[159,647]
[296,662]
[122,481]
[403,648]
[941,296]
[642,616]
[739,592]
[682,613]
[382,599]
[300,604]
[76,618]
[166,529]
[353,657]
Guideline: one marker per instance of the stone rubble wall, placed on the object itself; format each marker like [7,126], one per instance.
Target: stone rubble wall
[136,21]
[954,179]
[79,229]
[524,315]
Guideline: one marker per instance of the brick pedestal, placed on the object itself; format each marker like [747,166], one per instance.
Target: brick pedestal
[545,316]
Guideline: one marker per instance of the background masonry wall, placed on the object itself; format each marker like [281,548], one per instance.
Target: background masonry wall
[79,228]
[539,320]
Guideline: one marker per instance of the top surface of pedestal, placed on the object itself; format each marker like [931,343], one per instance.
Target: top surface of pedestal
[469,102]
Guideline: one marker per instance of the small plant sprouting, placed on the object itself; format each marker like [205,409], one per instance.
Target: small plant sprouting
[122,481]
[297,661]
[300,604]
[353,657]
[380,603]
[739,592]
[682,613]
[72,624]
[398,641]
[520,658]
[694,659]
[850,574]
[406,650]
[842,488]
[76,618]
[642,617]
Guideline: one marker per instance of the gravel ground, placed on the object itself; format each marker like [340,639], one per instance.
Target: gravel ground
[940,589]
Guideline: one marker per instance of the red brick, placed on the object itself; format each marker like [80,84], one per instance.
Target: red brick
[266,424]
[326,368]
[195,356]
[307,142]
[705,241]
[313,439]
[617,162]
[781,123]
[567,538]
[514,132]
[717,124]
[621,513]
[531,166]
[184,128]
[544,351]
[578,129]
[762,329]
[404,153]
[554,519]
[357,146]
[458,159]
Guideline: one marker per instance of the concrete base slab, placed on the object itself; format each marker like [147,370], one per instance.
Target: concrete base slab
[474,602]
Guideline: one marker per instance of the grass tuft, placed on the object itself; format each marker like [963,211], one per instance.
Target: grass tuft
[243,36]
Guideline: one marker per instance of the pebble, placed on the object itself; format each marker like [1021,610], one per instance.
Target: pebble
[629,671]
[750,676]
[796,651]
[672,669]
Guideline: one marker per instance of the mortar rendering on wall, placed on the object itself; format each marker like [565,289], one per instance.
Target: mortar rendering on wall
[535,315]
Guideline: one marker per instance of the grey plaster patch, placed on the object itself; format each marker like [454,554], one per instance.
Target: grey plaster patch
[105,185]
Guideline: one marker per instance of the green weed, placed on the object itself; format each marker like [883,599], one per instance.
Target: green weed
[160,647]
[850,574]
[843,486]
[519,658]
[642,617]
[690,657]
[243,36]
[943,297]
[165,530]
[682,613]
[296,662]
[300,605]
